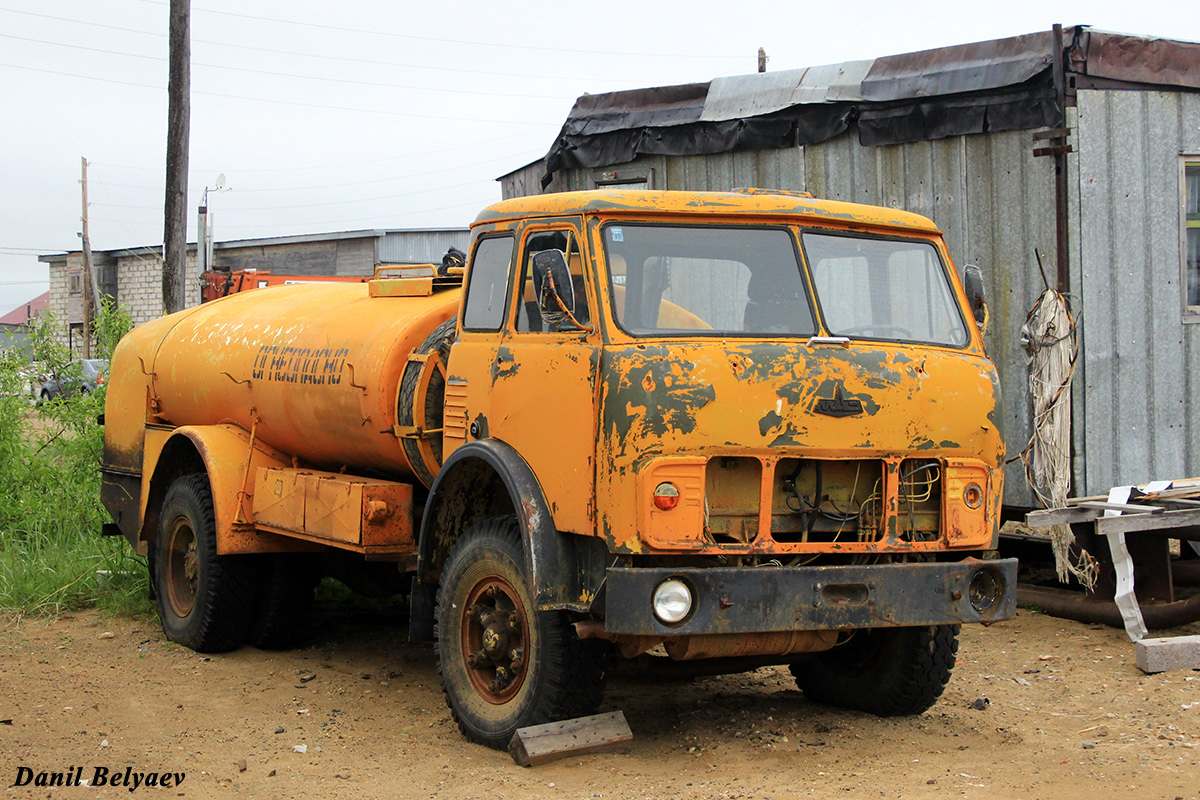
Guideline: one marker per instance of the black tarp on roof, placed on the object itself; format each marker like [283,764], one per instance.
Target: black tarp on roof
[998,85]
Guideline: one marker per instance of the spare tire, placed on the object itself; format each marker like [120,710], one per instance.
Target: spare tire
[424,450]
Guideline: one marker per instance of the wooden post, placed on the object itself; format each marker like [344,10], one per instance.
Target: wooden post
[91,293]
[178,121]
[1060,167]
[601,733]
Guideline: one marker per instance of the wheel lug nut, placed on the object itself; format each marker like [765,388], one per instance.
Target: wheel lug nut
[514,619]
[491,592]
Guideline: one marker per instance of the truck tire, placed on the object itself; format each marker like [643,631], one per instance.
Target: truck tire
[203,599]
[285,603]
[486,623]
[888,672]
[426,464]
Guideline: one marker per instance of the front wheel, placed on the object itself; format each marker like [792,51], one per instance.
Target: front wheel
[884,671]
[504,665]
[205,600]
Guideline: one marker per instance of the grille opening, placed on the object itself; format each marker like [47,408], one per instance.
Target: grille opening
[827,501]
[919,513]
[732,492]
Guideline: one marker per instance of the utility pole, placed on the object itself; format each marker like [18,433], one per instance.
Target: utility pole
[178,120]
[91,293]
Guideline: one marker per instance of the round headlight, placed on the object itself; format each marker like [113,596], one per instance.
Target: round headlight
[672,601]
[985,591]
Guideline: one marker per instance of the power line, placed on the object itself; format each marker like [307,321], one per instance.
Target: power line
[477,205]
[244,209]
[406,156]
[291,74]
[349,59]
[314,187]
[270,99]
[436,40]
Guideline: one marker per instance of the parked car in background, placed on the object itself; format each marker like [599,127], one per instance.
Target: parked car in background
[79,377]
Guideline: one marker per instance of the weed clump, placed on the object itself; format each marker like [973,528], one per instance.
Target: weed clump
[52,557]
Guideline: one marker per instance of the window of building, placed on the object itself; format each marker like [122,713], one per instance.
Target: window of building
[624,179]
[75,283]
[1190,244]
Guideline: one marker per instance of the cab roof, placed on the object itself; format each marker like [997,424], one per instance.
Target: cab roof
[740,202]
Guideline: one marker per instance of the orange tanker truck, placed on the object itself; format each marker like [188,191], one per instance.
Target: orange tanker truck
[742,428]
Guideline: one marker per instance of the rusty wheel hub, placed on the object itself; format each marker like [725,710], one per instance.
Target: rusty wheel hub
[494,637]
[183,568]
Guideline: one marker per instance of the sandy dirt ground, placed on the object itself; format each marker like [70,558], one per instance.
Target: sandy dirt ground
[359,714]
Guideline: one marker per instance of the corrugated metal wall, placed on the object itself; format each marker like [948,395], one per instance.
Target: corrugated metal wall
[1135,420]
[419,246]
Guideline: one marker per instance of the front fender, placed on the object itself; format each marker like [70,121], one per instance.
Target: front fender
[489,478]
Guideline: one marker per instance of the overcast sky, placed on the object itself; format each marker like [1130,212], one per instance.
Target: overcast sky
[332,116]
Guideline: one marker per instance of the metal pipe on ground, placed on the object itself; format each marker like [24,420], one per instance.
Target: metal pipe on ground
[1076,606]
[1186,573]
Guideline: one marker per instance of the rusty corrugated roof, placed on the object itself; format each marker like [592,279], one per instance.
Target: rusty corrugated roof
[996,85]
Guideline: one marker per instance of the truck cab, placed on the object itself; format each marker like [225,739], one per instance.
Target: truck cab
[757,426]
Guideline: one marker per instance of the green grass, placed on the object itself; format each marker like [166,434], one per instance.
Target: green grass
[52,556]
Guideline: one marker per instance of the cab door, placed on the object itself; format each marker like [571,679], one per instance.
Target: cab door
[543,379]
[490,276]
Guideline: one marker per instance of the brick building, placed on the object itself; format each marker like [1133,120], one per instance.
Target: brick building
[133,277]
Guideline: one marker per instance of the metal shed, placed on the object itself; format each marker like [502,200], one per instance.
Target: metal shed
[975,136]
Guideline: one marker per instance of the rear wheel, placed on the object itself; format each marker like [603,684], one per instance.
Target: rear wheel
[285,603]
[205,600]
[505,665]
[884,671]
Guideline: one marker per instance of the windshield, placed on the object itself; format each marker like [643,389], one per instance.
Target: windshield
[883,289]
[684,280]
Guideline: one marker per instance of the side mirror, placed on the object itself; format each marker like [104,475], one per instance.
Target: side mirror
[973,286]
[553,287]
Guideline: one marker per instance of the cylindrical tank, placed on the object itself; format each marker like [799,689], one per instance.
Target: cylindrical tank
[316,366]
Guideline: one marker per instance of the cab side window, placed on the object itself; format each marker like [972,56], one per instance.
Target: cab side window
[487,284]
[529,317]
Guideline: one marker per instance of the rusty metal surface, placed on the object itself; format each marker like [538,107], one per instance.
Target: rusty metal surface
[318,366]
[761,599]
[1139,59]
[960,68]
[713,205]
[657,106]
[759,400]
[750,95]
[775,643]
[347,508]
[625,408]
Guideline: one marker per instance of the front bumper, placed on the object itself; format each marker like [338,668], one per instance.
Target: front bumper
[762,599]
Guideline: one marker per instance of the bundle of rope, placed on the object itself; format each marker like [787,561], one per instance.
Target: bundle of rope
[1049,334]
